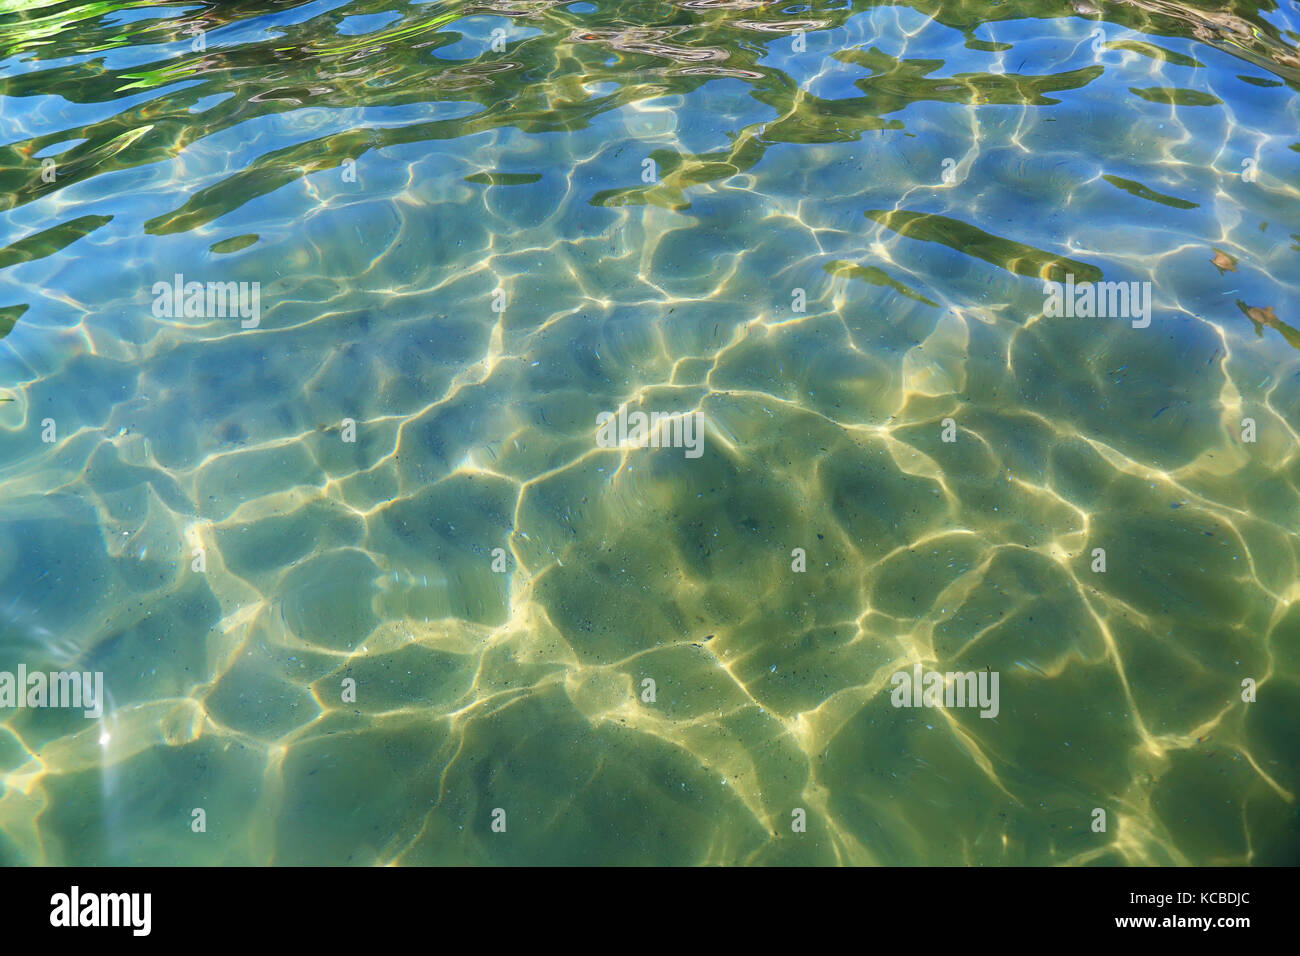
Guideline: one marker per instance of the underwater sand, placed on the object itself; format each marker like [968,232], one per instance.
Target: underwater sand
[916,170]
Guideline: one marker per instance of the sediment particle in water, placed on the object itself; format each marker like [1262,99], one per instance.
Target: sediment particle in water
[1224,262]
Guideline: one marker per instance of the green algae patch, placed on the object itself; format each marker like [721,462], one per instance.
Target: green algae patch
[1145,192]
[234,244]
[9,316]
[875,277]
[49,241]
[1006,254]
[504,179]
[1176,96]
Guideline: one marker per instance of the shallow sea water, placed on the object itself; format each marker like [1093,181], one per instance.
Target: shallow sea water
[823,229]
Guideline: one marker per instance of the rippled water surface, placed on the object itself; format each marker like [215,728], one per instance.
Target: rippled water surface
[366,586]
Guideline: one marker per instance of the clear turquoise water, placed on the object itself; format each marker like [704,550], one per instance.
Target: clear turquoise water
[463,257]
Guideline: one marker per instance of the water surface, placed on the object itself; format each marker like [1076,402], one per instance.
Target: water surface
[824,229]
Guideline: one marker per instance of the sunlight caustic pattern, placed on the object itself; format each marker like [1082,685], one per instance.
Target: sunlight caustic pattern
[426,593]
